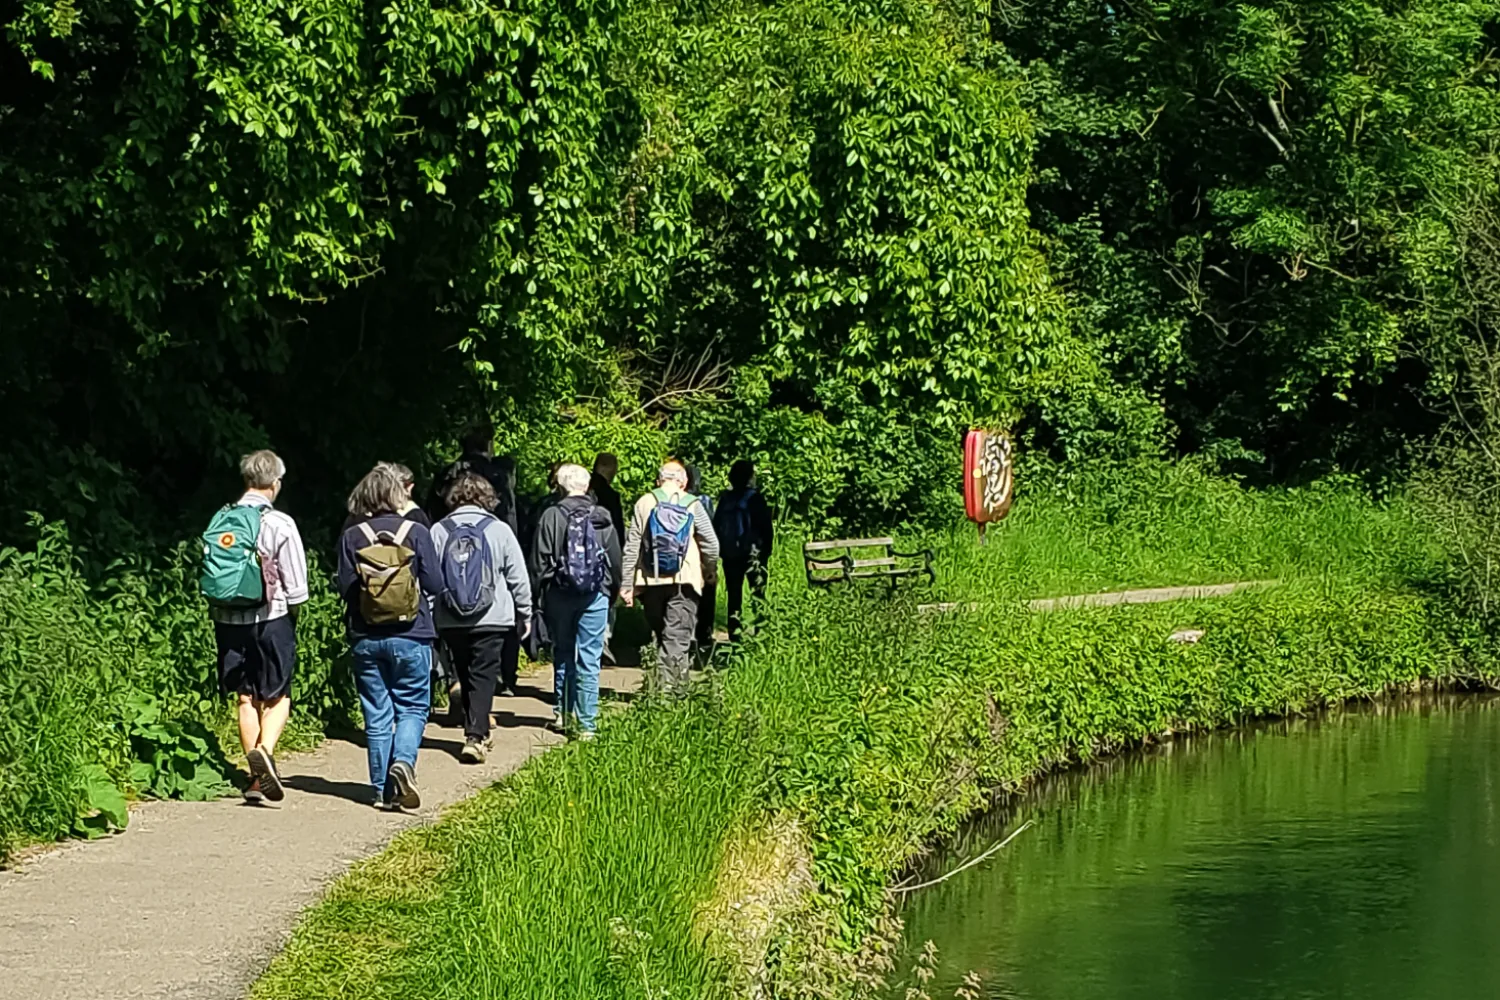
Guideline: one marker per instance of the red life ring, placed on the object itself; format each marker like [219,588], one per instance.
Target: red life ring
[989,475]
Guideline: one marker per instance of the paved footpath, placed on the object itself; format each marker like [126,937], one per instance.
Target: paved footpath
[195,899]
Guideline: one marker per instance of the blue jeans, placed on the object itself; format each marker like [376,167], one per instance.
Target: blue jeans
[577,623]
[393,675]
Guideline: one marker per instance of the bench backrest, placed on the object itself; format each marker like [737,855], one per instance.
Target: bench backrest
[835,560]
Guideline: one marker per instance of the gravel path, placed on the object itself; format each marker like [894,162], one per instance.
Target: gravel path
[194,899]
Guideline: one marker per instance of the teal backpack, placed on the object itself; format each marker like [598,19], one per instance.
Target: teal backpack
[231,576]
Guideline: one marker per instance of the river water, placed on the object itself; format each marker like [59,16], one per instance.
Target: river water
[1351,856]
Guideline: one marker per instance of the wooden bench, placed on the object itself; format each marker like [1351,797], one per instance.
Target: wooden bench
[837,561]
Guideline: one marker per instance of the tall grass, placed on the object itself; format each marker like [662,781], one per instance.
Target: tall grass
[868,728]
[73,652]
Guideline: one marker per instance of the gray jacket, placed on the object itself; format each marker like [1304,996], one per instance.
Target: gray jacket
[512,585]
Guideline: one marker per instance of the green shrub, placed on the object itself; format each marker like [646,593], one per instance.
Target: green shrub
[109,688]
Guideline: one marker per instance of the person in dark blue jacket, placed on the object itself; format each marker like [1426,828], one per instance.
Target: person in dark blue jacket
[388,576]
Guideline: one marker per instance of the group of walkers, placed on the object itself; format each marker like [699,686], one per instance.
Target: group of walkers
[469,581]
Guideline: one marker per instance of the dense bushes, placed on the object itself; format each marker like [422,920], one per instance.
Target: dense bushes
[851,732]
[97,681]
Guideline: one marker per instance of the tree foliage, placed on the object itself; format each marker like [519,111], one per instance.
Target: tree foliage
[1250,204]
[346,229]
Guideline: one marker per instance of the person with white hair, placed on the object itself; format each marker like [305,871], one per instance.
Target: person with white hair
[671,551]
[576,553]
[255,578]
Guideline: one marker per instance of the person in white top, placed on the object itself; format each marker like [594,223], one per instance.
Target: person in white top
[258,646]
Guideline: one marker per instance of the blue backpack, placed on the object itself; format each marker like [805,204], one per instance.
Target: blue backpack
[669,529]
[736,530]
[468,569]
[583,569]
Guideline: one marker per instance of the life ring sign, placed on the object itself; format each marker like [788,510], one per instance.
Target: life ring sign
[989,475]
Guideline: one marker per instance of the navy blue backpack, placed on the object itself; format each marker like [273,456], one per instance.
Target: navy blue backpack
[468,570]
[583,569]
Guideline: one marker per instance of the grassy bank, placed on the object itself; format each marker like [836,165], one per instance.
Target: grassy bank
[108,689]
[746,838]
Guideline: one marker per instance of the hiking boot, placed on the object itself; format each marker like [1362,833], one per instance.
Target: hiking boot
[407,796]
[263,770]
[473,751]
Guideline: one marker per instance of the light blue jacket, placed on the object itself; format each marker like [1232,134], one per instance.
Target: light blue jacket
[512,584]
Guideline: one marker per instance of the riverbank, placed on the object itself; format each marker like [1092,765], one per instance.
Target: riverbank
[747,837]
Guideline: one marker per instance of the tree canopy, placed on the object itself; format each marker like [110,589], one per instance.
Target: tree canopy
[825,234]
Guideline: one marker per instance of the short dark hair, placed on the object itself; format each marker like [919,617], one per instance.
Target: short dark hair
[740,473]
[480,438]
[471,489]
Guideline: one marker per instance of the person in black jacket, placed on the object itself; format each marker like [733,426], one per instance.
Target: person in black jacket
[742,521]
[576,617]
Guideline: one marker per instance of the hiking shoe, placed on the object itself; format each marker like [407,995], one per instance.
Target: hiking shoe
[557,725]
[587,734]
[473,752]
[263,770]
[407,796]
[253,795]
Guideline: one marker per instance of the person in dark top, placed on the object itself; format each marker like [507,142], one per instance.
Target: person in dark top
[708,602]
[477,445]
[383,558]
[602,486]
[576,620]
[743,523]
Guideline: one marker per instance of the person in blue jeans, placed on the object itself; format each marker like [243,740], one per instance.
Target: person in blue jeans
[576,590]
[388,575]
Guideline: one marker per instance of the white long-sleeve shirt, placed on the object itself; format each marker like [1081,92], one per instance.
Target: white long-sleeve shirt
[283,564]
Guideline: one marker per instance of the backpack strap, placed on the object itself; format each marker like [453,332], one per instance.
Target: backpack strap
[367,531]
[400,537]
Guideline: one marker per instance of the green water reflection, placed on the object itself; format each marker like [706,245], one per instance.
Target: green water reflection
[1355,856]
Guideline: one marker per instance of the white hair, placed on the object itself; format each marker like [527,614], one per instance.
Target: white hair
[574,479]
[261,469]
[673,472]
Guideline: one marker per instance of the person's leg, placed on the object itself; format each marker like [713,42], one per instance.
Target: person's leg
[563,612]
[273,719]
[734,596]
[485,666]
[276,644]
[609,632]
[704,629]
[510,660]
[461,661]
[592,623]
[654,605]
[679,621]
[410,665]
[248,714]
[235,643]
[367,656]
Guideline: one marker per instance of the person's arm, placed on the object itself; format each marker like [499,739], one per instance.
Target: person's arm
[513,568]
[708,539]
[632,552]
[760,514]
[348,579]
[613,551]
[291,565]
[542,542]
[429,570]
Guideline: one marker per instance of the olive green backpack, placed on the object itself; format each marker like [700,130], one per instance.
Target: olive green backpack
[388,590]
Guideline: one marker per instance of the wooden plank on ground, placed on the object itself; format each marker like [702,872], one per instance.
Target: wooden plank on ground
[1108,599]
